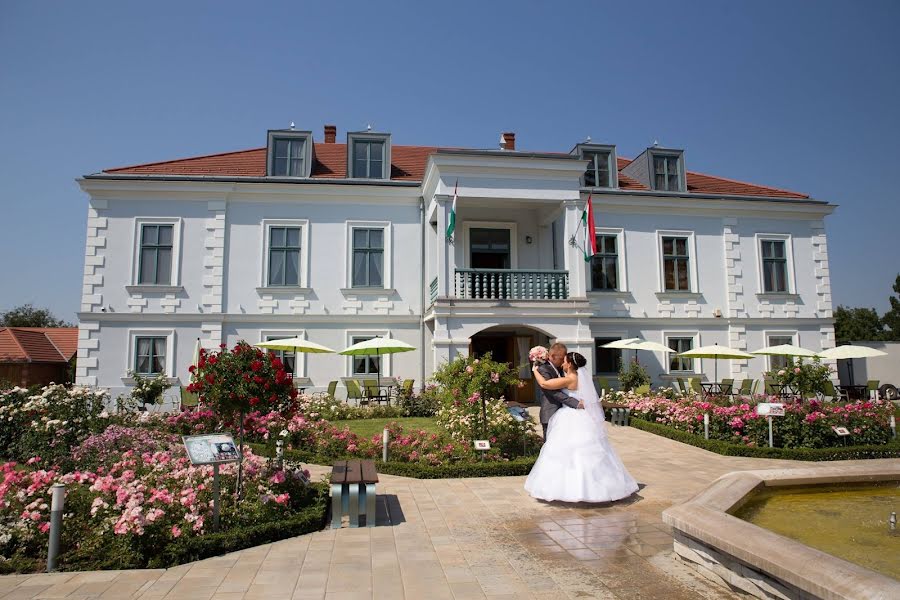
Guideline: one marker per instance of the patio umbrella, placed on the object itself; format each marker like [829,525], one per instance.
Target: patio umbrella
[651,346]
[377,346]
[295,344]
[849,352]
[716,352]
[785,350]
[622,344]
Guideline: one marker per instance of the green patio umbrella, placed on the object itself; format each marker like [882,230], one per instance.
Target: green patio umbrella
[295,345]
[716,352]
[785,350]
[849,352]
[377,346]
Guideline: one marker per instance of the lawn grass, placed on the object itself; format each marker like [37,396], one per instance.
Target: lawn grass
[371,427]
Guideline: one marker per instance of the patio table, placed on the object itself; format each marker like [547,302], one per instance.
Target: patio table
[716,389]
[855,392]
[383,395]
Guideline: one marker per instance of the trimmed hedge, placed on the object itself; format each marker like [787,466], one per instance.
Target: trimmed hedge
[891,450]
[519,466]
[309,520]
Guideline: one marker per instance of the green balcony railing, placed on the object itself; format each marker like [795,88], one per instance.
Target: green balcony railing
[511,284]
[434,289]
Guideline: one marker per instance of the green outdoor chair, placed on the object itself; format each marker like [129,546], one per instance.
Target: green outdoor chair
[406,389]
[188,399]
[829,391]
[728,387]
[332,388]
[694,383]
[872,386]
[746,387]
[374,392]
[354,393]
[682,383]
[769,390]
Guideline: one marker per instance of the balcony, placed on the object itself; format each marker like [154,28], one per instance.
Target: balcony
[511,284]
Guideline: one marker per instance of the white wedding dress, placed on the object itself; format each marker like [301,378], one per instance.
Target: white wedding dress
[577,462]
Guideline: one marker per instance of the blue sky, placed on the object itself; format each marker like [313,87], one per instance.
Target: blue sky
[800,95]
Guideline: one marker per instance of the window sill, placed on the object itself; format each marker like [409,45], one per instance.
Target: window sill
[679,375]
[170,380]
[609,294]
[679,295]
[162,289]
[778,296]
[368,291]
[302,382]
[283,289]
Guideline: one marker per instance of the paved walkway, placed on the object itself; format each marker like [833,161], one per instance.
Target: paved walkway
[455,539]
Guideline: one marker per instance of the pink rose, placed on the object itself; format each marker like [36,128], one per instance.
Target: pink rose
[470,370]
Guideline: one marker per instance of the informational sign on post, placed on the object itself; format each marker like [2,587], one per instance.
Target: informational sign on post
[841,431]
[213,449]
[770,409]
[482,445]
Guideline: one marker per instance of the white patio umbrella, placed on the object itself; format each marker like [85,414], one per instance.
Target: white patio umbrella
[619,344]
[716,352]
[784,350]
[377,346]
[849,352]
[651,346]
[295,345]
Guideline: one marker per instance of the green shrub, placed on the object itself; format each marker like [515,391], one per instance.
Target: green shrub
[634,376]
[890,450]
[424,404]
[808,378]
[148,390]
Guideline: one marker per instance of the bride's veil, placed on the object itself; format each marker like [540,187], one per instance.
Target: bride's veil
[591,400]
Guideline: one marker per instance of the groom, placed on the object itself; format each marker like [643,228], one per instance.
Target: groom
[552,400]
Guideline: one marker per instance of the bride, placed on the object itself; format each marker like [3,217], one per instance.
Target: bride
[577,462]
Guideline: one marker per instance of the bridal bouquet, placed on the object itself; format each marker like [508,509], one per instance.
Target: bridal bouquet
[538,354]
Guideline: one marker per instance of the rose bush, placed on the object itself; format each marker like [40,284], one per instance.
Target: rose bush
[808,378]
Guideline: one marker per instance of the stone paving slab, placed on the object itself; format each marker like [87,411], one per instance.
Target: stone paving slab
[457,539]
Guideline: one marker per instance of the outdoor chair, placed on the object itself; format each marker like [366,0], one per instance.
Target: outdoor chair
[872,386]
[769,390]
[682,383]
[642,389]
[694,383]
[602,383]
[374,392]
[406,389]
[354,393]
[746,388]
[188,399]
[728,387]
[332,388]
[829,391]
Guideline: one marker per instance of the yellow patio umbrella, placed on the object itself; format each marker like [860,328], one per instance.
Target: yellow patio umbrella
[716,352]
[849,352]
[377,346]
[295,344]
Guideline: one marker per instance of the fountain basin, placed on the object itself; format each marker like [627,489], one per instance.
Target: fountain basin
[758,562]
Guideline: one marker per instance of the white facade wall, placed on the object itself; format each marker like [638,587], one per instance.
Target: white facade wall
[219,292]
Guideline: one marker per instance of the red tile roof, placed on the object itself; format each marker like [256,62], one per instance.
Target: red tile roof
[407,164]
[38,344]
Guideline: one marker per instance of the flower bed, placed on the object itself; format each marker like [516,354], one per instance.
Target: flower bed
[806,424]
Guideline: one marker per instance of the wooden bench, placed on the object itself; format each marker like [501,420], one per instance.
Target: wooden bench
[353,492]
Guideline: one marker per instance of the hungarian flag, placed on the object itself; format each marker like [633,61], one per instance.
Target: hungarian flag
[590,237]
[451,227]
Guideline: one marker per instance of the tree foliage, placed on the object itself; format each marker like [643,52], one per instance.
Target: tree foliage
[29,316]
[857,324]
[891,318]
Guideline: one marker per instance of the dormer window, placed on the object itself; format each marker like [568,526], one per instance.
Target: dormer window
[601,170]
[290,153]
[667,172]
[369,155]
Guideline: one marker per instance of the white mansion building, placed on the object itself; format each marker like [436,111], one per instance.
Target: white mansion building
[337,242]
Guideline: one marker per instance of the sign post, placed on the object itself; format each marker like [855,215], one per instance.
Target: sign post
[482,446]
[385,438]
[769,410]
[214,450]
[57,502]
[706,425]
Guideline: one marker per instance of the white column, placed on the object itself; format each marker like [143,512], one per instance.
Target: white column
[573,256]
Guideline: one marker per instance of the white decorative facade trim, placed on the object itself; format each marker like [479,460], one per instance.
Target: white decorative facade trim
[734,271]
[87,363]
[214,257]
[823,274]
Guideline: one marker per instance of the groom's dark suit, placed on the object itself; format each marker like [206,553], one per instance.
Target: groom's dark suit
[552,400]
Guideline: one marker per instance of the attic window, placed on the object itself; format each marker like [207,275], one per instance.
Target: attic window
[667,172]
[601,169]
[290,153]
[369,155]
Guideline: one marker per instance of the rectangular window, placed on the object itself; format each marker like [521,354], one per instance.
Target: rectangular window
[597,174]
[774,266]
[284,256]
[679,363]
[368,257]
[287,157]
[156,255]
[365,365]
[490,248]
[605,264]
[676,264]
[779,362]
[368,159]
[287,358]
[665,173]
[606,360]
[150,355]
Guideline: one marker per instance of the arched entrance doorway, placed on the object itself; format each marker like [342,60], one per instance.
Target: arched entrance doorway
[510,344]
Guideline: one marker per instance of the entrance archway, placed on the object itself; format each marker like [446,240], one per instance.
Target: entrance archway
[510,344]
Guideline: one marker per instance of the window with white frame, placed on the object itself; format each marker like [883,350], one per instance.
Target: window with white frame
[155,261]
[284,256]
[680,364]
[364,365]
[667,172]
[293,362]
[605,263]
[150,355]
[778,339]
[285,253]
[676,264]
[775,259]
[368,257]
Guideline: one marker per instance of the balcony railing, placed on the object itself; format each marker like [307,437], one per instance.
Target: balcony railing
[509,284]
[434,289]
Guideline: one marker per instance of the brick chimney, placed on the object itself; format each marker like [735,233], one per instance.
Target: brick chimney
[508,140]
[330,134]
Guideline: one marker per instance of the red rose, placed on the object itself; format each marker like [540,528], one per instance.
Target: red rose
[273,398]
[223,345]
[191,369]
[254,401]
[293,393]
[276,363]
[256,365]
[246,377]
[213,360]
[210,379]
[201,363]
[257,379]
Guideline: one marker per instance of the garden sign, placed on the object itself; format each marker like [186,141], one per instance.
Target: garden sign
[214,450]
